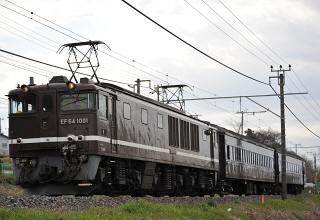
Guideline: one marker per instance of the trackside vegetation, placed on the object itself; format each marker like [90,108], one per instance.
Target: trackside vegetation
[300,207]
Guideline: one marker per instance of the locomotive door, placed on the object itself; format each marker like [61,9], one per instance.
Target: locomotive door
[48,114]
[113,123]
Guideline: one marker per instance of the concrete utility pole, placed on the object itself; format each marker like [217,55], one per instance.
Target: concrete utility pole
[249,113]
[139,81]
[315,174]
[281,82]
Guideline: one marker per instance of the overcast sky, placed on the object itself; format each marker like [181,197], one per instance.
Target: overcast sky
[288,27]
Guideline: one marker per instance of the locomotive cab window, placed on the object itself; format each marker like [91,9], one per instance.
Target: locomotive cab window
[23,104]
[81,101]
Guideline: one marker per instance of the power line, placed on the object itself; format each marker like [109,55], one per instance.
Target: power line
[38,22]
[255,35]
[33,14]
[143,65]
[29,65]
[27,34]
[21,67]
[269,48]
[29,29]
[243,36]
[295,116]
[16,34]
[192,46]
[237,42]
[43,18]
[57,67]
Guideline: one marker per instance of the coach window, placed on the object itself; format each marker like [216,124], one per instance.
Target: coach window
[103,105]
[228,152]
[144,116]
[126,111]
[204,136]
[160,121]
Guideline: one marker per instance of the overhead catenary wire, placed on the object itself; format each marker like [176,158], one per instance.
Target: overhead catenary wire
[20,36]
[29,35]
[35,15]
[295,116]
[60,31]
[194,47]
[116,58]
[255,35]
[29,29]
[219,28]
[45,19]
[23,68]
[242,35]
[39,22]
[268,47]
[58,67]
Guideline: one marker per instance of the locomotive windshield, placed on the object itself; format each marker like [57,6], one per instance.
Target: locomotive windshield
[77,101]
[23,104]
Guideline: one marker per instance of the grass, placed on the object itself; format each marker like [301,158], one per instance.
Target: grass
[295,208]
[7,179]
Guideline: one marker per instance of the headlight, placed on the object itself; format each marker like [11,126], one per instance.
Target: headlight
[71,85]
[25,88]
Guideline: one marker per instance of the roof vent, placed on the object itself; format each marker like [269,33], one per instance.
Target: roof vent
[86,81]
[31,82]
[59,79]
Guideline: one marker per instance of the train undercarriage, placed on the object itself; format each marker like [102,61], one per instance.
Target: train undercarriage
[117,176]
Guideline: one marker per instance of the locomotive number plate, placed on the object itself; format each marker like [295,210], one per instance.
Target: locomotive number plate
[70,121]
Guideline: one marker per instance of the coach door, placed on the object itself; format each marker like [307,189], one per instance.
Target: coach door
[222,155]
[113,122]
[48,114]
[212,146]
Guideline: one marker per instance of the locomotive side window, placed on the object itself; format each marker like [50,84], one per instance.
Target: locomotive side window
[144,116]
[103,105]
[184,135]
[160,121]
[126,111]
[47,103]
[194,137]
[228,152]
[173,131]
[77,101]
[26,104]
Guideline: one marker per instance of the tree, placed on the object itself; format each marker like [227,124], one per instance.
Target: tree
[268,137]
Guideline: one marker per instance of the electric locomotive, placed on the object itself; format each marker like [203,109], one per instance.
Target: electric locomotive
[86,137]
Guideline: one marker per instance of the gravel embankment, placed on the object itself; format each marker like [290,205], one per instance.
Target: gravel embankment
[77,203]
